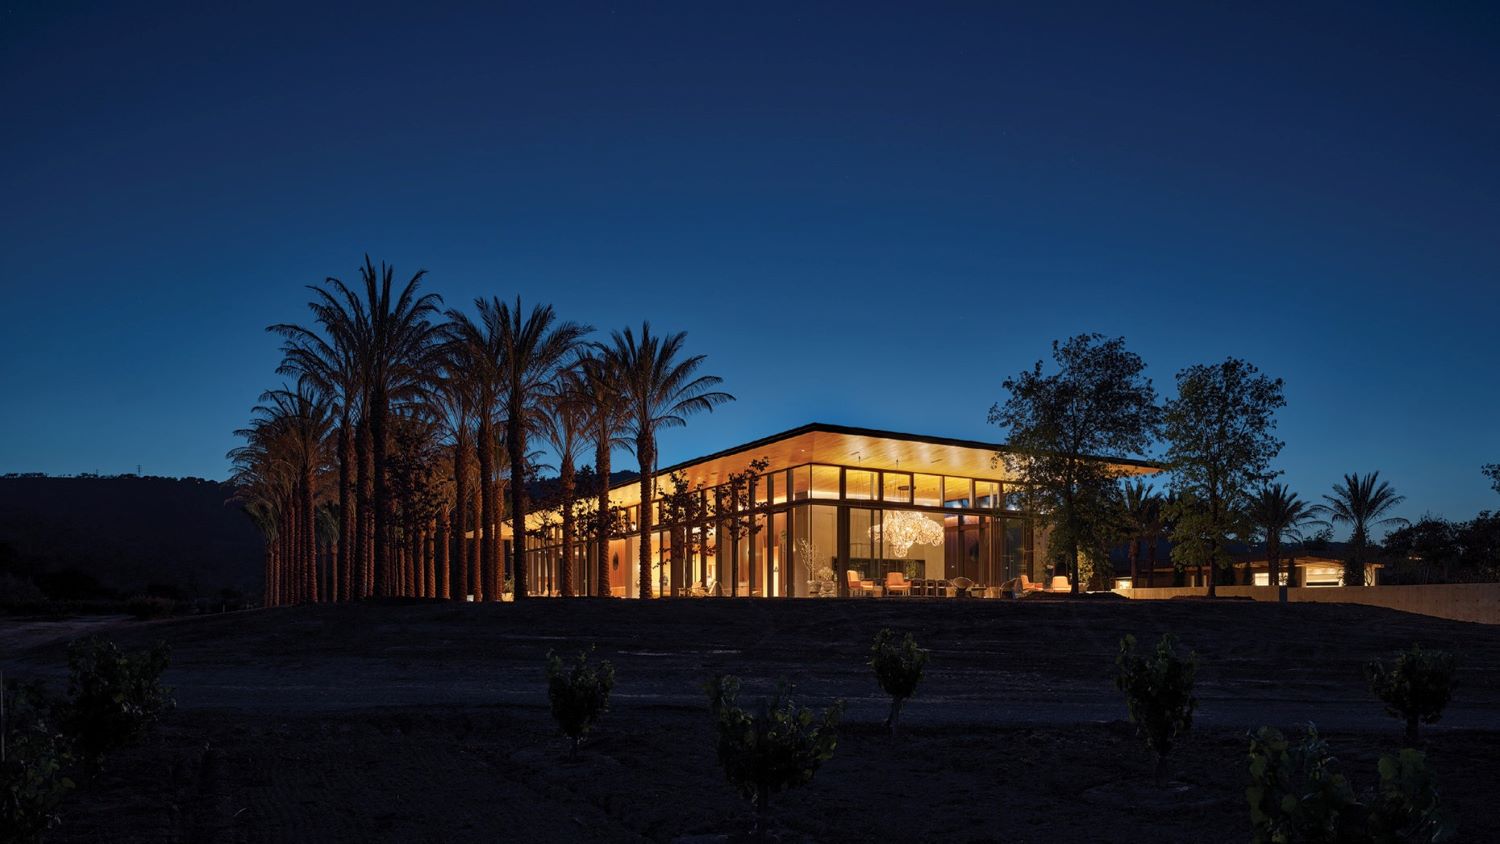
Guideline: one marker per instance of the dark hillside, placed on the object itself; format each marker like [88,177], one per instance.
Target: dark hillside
[125,534]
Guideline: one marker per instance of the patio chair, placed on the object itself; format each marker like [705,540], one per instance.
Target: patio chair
[897,584]
[1060,584]
[963,586]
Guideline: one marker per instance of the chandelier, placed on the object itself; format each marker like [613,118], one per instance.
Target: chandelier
[902,529]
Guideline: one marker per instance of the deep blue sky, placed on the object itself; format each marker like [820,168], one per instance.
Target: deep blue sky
[862,215]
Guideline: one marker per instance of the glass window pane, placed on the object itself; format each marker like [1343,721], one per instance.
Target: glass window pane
[897,487]
[825,482]
[762,489]
[911,542]
[928,490]
[986,495]
[956,492]
[801,482]
[778,487]
[859,484]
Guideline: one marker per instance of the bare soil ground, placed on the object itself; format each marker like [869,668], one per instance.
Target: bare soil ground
[421,721]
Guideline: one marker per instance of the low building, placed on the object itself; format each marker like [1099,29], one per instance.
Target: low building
[833,507]
[1252,570]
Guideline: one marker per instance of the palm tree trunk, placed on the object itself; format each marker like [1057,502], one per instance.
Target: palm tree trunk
[310,537]
[1273,559]
[443,535]
[569,494]
[344,567]
[1135,569]
[515,445]
[488,520]
[456,523]
[429,554]
[601,468]
[364,492]
[476,572]
[380,451]
[645,449]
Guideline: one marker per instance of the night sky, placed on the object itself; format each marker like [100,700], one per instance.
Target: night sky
[862,215]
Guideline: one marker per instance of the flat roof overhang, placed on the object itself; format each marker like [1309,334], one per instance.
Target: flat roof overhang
[864,448]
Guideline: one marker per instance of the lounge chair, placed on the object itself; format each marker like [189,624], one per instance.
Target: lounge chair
[858,587]
[896,584]
[963,586]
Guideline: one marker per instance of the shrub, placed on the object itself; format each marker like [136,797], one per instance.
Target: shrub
[778,748]
[898,667]
[1406,807]
[1415,687]
[579,692]
[1296,793]
[1158,690]
[32,782]
[112,696]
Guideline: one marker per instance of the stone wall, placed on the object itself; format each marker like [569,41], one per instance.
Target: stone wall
[1479,602]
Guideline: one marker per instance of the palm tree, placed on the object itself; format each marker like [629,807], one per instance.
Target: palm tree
[477,356]
[285,450]
[564,426]
[533,347]
[660,389]
[599,388]
[455,400]
[1277,513]
[1362,503]
[1142,506]
[386,339]
[334,366]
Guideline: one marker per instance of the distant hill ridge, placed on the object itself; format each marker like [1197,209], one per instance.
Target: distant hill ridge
[93,535]
[127,532]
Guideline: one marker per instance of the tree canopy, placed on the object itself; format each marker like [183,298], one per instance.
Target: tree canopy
[1220,444]
[1098,403]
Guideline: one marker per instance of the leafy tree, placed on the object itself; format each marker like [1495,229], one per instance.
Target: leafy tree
[1158,690]
[579,693]
[1277,513]
[685,514]
[780,746]
[1492,471]
[735,503]
[1362,503]
[113,697]
[1098,403]
[1479,546]
[659,388]
[1415,687]
[1219,448]
[898,668]
[1425,551]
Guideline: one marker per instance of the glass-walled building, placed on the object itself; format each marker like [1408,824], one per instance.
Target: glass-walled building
[818,511]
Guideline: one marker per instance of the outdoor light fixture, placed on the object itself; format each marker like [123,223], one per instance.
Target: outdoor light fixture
[902,529]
